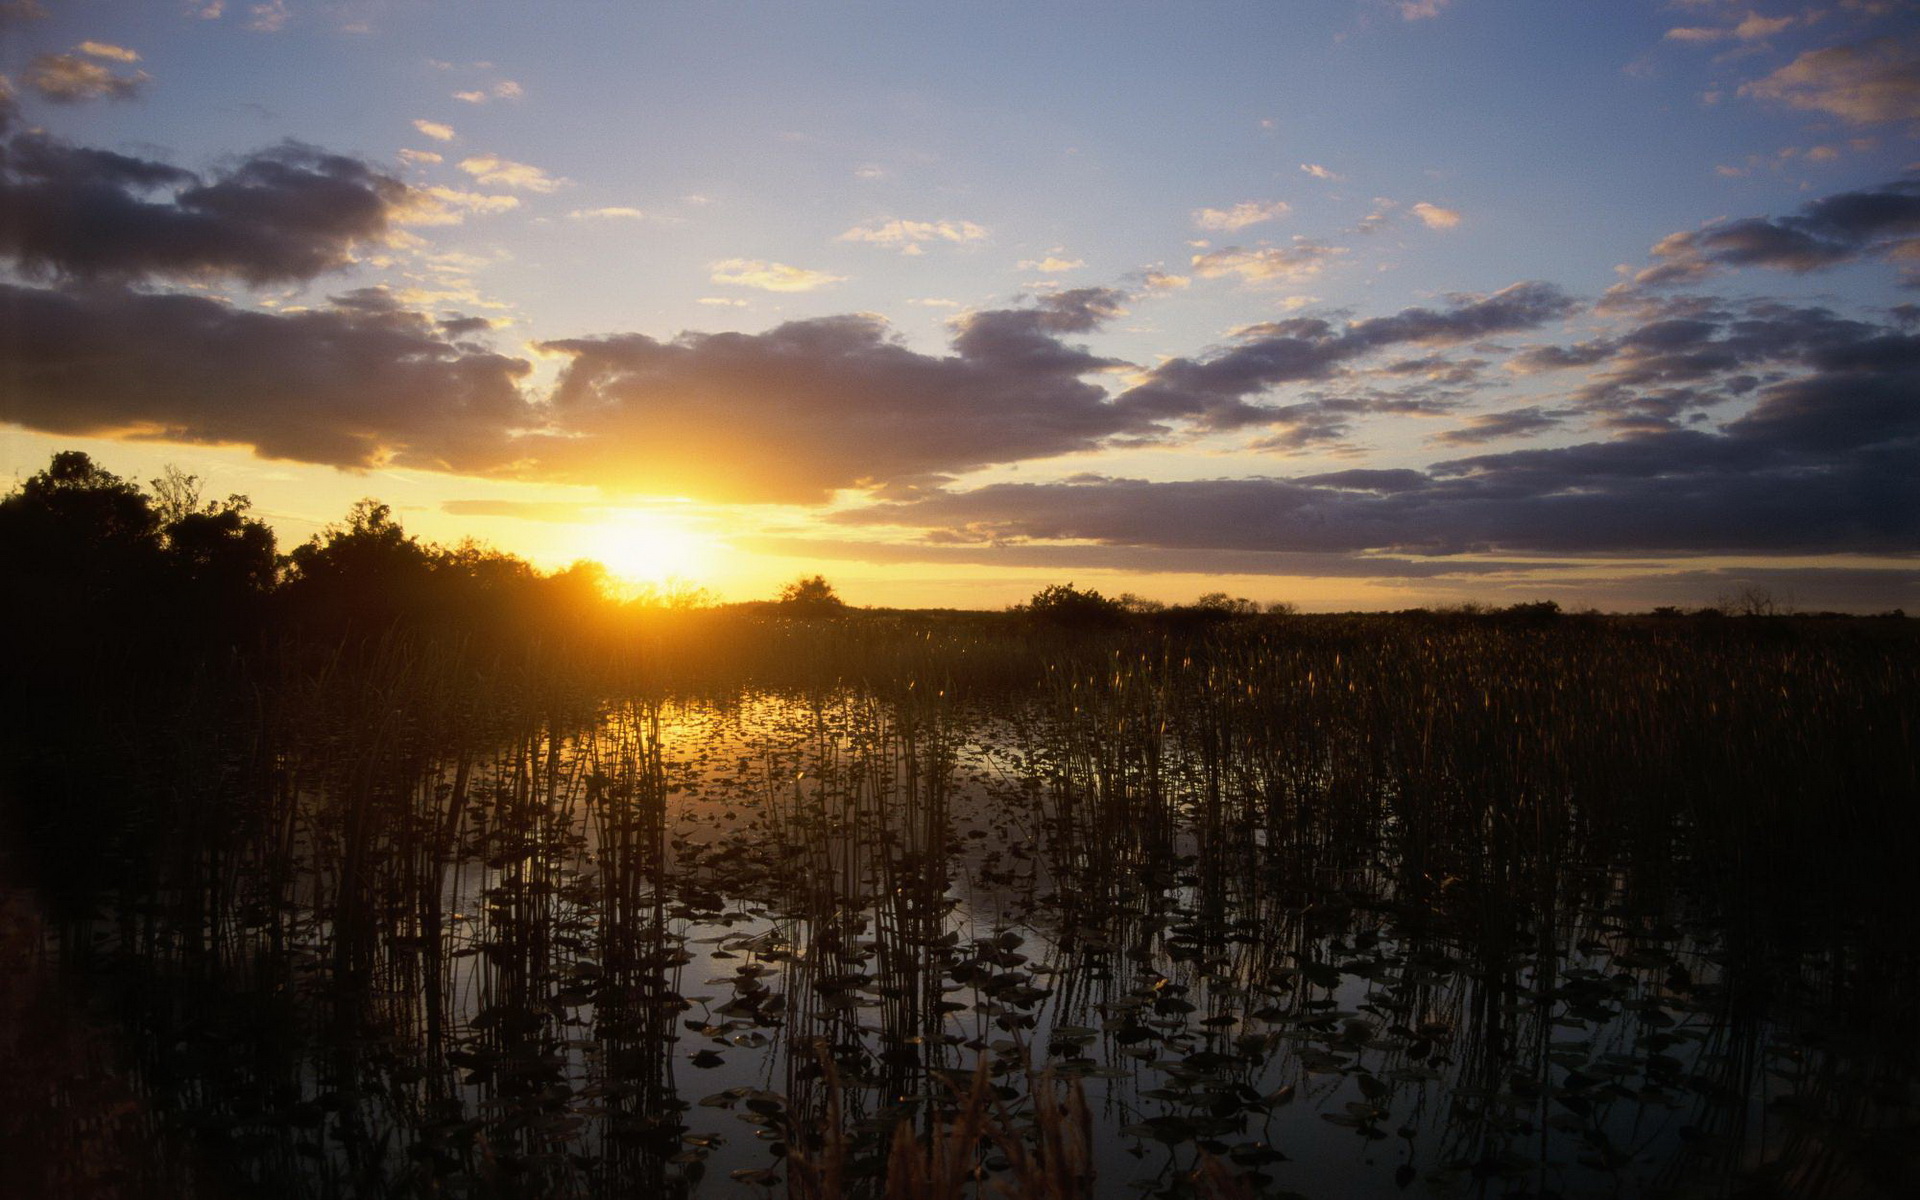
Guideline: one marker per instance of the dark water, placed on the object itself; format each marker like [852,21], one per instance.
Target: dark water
[651,951]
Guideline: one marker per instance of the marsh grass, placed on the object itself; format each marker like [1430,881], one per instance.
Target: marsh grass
[951,907]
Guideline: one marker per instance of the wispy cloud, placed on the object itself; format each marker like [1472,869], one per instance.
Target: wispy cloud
[1241,215]
[1435,217]
[271,17]
[912,237]
[1867,83]
[502,172]
[771,276]
[108,50]
[1751,28]
[506,89]
[438,205]
[1271,264]
[611,213]
[1320,172]
[435,130]
[1051,263]
[84,75]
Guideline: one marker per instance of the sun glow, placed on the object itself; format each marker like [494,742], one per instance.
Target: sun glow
[650,548]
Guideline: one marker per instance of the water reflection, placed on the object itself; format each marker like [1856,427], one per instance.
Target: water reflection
[672,948]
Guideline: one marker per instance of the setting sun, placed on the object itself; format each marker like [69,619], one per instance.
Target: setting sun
[649,548]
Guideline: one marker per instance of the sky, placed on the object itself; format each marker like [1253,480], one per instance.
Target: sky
[1354,304]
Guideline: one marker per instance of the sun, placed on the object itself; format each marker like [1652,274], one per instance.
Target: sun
[650,548]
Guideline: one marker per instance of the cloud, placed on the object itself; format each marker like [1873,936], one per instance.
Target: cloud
[507,89]
[1666,372]
[1162,281]
[911,237]
[612,213]
[1867,83]
[812,406]
[953,550]
[270,17]
[83,75]
[1882,222]
[421,157]
[471,97]
[284,214]
[1435,217]
[357,385]
[501,172]
[17,12]
[1751,28]
[435,130]
[437,205]
[109,51]
[1822,465]
[1421,10]
[1241,215]
[1270,264]
[723,301]
[1528,421]
[1052,264]
[1215,390]
[771,276]
[1320,172]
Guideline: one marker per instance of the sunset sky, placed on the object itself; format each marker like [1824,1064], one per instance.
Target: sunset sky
[1354,303]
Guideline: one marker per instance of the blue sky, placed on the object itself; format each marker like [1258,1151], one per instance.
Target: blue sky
[952,301]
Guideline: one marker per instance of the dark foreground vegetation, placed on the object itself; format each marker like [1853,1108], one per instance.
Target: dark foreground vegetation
[385,869]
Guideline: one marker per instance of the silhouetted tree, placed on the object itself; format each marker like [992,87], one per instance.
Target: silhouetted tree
[1065,605]
[361,577]
[1232,606]
[80,545]
[811,597]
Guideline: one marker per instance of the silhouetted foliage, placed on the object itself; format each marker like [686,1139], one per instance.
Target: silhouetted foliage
[811,597]
[1067,606]
[1530,613]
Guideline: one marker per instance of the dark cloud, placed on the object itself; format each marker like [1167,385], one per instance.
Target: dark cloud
[284,214]
[1846,227]
[810,406]
[788,415]
[1141,559]
[1668,370]
[1528,421]
[1324,421]
[1363,479]
[1825,461]
[348,387]
[1215,391]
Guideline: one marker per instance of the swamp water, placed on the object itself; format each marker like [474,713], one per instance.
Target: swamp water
[667,948]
